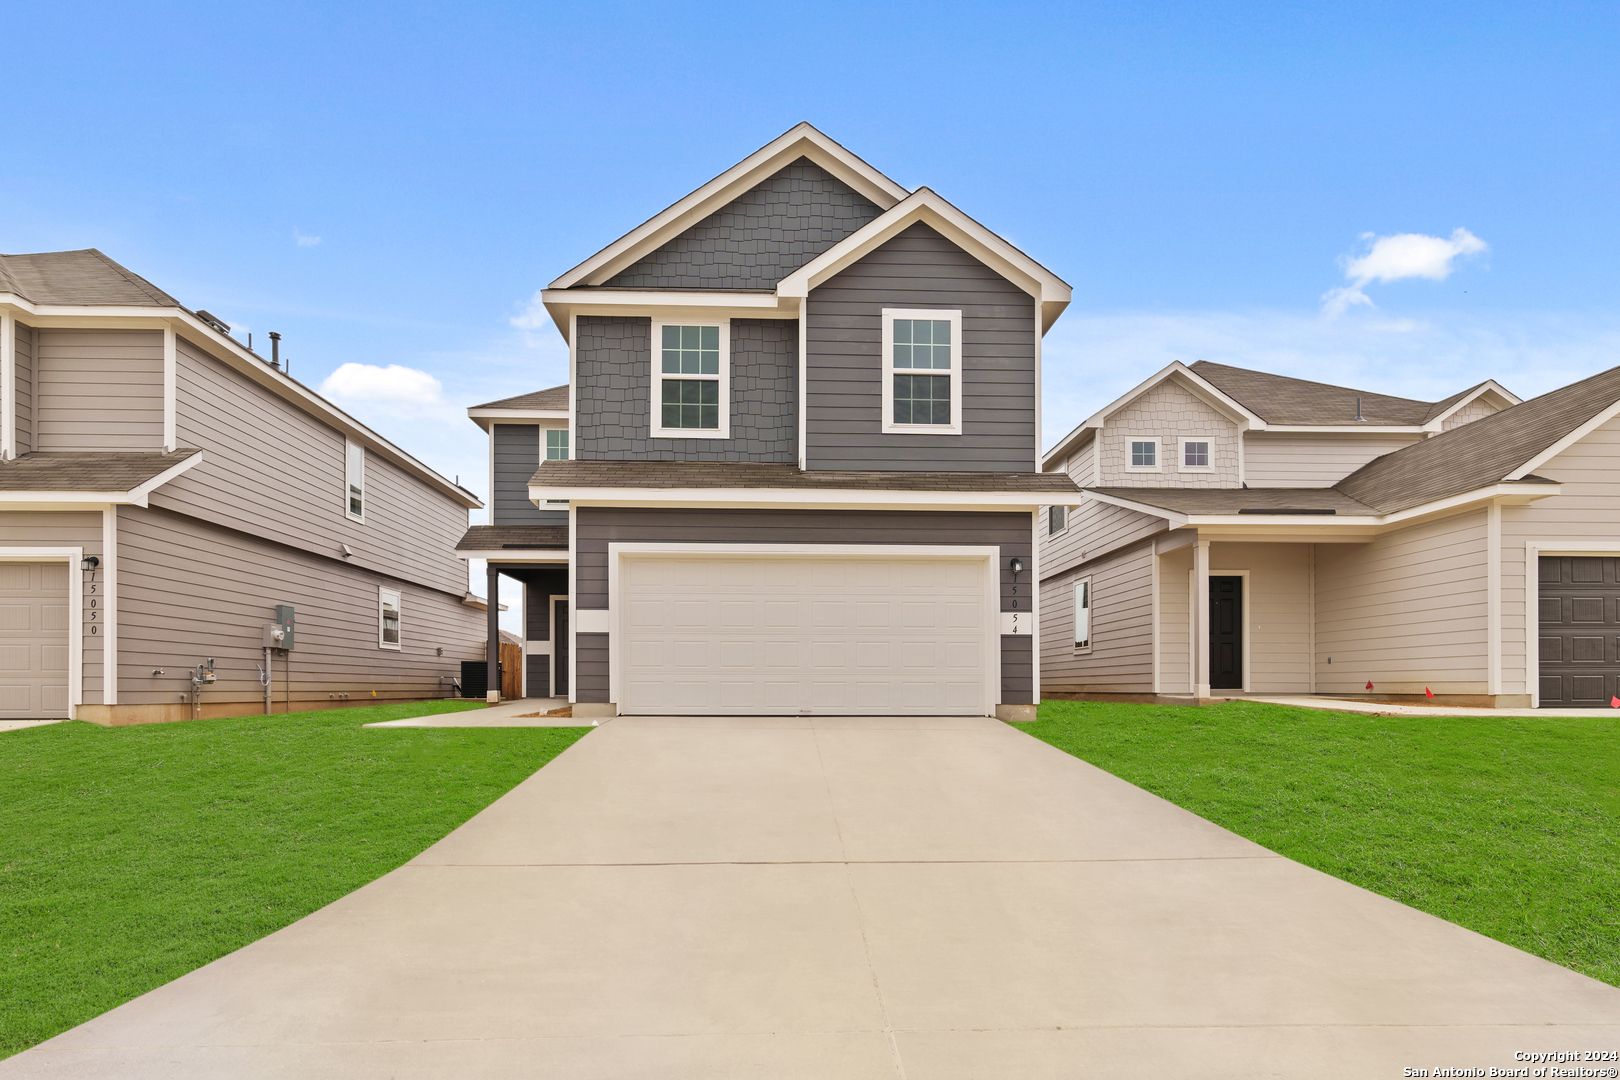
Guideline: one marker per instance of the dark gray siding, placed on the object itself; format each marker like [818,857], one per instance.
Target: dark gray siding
[98,390]
[23,380]
[844,334]
[596,527]
[591,668]
[613,364]
[759,238]
[517,456]
[537,674]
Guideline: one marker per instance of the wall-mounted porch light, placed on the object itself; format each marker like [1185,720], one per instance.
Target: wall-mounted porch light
[89,562]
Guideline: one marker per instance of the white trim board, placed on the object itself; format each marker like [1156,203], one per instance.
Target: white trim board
[818,499]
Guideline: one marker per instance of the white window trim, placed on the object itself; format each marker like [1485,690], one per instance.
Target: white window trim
[1181,460]
[1091,613]
[349,447]
[890,371]
[656,405]
[383,593]
[1158,453]
[545,445]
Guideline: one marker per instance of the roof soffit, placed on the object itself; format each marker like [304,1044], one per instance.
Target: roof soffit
[802,140]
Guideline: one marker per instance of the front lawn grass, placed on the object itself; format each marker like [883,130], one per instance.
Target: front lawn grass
[1508,826]
[130,856]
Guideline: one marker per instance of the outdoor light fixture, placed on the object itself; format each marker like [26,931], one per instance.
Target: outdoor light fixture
[89,562]
[1018,566]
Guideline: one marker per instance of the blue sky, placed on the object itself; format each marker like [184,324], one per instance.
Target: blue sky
[390,184]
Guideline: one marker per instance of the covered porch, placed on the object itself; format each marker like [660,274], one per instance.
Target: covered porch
[537,557]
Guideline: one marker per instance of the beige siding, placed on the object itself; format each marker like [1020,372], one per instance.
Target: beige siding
[188,591]
[1312,460]
[1120,659]
[23,383]
[1170,413]
[274,471]
[1406,611]
[1477,409]
[1094,529]
[1081,464]
[1175,631]
[98,390]
[1587,512]
[1276,603]
[81,529]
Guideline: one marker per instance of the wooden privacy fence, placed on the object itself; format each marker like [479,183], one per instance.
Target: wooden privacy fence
[511,671]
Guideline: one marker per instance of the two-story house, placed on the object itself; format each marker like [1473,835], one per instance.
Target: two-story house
[166,494]
[804,417]
[1241,532]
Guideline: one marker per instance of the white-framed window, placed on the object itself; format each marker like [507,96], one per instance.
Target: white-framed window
[354,470]
[1057,519]
[1082,613]
[387,618]
[1195,455]
[691,380]
[1142,454]
[556,444]
[922,371]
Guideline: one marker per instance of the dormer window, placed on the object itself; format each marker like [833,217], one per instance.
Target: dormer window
[690,384]
[556,444]
[922,371]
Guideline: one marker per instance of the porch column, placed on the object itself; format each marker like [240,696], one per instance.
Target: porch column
[1200,620]
[493,679]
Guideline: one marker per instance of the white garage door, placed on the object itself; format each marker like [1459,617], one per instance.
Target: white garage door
[838,635]
[33,640]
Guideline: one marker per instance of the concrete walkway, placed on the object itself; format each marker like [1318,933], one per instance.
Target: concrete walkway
[1381,708]
[520,713]
[843,899]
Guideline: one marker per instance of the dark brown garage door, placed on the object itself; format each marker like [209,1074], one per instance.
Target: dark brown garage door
[1580,631]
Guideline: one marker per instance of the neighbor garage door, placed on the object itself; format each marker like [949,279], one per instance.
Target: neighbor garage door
[837,635]
[1580,630]
[33,640]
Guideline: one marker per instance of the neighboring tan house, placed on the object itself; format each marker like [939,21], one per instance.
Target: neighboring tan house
[163,490]
[1241,532]
[804,417]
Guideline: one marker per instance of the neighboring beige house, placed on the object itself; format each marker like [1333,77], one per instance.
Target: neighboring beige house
[163,490]
[1240,532]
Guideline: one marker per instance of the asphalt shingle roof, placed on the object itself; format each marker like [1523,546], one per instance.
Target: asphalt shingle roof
[496,537]
[696,474]
[120,471]
[1278,399]
[79,278]
[1201,501]
[554,398]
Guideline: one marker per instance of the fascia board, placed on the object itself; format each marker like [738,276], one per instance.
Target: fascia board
[1069,443]
[561,304]
[1176,520]
[801,140]
[135,496]
[1489,386]
[928,207]
[1517,494]
[518,414]
[1344,429]
[551,555]
[1603,417]
[139,493]
[818,499]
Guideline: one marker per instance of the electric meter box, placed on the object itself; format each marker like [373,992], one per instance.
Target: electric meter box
[284,616]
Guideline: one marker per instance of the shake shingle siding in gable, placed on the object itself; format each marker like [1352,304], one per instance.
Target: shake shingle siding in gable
[517,455]
[759,238]
[613,419]
[919,268]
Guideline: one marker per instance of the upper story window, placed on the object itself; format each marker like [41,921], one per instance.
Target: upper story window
[355,475]
[1057,519]
[922,371]
[387,618]
[1195,455]
[1144,455]
[691,381]
[556,444]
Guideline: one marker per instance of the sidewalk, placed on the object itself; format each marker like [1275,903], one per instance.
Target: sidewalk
[507,714]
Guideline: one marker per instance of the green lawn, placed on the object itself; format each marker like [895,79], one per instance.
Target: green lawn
[1508,826]
[129,856]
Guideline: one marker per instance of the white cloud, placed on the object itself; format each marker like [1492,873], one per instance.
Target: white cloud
[534,317]
[1395,258]
[305,241]
[394,386]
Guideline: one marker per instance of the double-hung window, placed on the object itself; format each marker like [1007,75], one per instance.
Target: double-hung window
[556,444]
[1057,518]
[1082,613]
[387,618]
[691,381]
[922,371]
[355,475]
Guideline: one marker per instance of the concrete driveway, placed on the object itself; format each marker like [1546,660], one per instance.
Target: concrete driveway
[844,898]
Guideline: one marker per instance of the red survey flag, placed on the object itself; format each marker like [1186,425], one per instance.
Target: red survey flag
[1428,693]
[1614,703]
[1369,684]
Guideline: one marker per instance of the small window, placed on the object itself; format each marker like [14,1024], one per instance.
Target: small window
[387,618]
[556,444]
[1057,517]
[1145,454]
[922,369]
[1194,454]
[691,372]
[356,474]
[1082,614]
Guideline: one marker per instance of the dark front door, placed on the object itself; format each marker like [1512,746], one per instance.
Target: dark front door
[1226,633]
[559,647]
[1580,630]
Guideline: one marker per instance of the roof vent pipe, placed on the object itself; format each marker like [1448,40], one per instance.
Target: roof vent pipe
[275,355]
[1359,417]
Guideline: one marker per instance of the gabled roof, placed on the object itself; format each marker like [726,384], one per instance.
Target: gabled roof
[1503,447]
[800,141]
[513,537]
[81,278]
[1193,381]
[1284,401]
[555,397]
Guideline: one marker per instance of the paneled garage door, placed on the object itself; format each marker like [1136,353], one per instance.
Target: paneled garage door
[1580,630]
[836,635]
[33,640]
